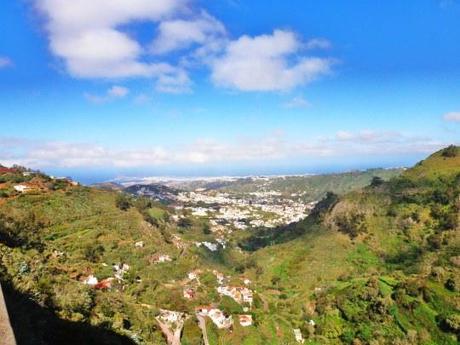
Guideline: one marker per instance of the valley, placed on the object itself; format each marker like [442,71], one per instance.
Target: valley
[366,257]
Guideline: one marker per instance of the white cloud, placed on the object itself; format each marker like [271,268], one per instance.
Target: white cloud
[297,102]
[118,91]
[376,142]
[112,93]
[367,136]
[268,148]
[86,35]
[452,116]
[179,83]
[5,62]
[89,37]
[266,63]
[180,34]
[318,43]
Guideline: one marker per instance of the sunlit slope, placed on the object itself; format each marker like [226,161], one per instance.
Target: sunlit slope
[443,163]
[379,264]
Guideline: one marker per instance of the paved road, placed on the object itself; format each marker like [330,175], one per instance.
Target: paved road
[6,332]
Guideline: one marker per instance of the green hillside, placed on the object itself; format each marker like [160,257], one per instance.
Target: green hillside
[376,266]
[312,187]
[441,164]
[379,265]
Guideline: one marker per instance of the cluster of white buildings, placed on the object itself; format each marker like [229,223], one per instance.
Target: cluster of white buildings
[257,209]
[240,294]
[171,317]
[213,246]
[217,316]
[220,319]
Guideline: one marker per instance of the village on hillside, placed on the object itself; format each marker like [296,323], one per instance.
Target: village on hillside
[260,207]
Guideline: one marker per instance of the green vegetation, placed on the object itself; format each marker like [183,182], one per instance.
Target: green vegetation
[306,187]
[378,265]
[313,187]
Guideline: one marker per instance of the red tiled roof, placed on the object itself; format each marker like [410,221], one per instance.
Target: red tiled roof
[4,170]
[104,284]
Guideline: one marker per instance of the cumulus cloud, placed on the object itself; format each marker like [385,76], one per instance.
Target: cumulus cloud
[271,147]
[112,93]
[5,62]
[178,34]
[85,34]
[91,39]
[179,83]
[267,63]
[452,116]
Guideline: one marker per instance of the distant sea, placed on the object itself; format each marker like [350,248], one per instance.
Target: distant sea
[91,176]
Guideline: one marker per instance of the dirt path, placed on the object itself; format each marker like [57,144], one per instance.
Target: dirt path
[6,332]
[202,325]
[172,330]
[173,338]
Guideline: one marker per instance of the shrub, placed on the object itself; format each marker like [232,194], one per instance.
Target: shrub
[123,201]
[25,232]
[376,181]
[434,241]
[73,298]
[93,252]
[185,222]
[450,284]
[449,323]
[449,152]
[143,203]
[352,224]
[206,229]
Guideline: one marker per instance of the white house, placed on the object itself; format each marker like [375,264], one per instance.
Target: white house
[21,188]
[298,336]
[245,320]
[217,316]
[91,280]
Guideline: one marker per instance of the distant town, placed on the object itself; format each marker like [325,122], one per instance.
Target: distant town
[228,208]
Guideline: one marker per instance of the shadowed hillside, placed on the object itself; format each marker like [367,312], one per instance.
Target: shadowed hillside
[36,325]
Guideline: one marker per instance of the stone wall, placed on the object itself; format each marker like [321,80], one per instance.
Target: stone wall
[6,332]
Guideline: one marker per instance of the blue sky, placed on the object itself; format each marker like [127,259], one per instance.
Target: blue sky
[103,88]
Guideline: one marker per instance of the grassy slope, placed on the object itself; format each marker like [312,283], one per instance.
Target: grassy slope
[75,221]
[437,165]
[385,283]
[86,229]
